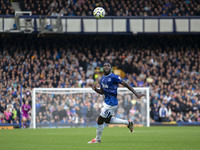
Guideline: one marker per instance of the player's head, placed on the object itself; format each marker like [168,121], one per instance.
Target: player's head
[107,68]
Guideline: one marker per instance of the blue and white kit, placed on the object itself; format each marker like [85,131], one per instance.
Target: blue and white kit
[109,84]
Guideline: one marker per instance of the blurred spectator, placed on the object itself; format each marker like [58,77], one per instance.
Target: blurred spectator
[163,113]
[8,115]
[2,107]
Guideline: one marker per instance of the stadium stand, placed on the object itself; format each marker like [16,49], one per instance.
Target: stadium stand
[169,65]
[112,7]
[6,8]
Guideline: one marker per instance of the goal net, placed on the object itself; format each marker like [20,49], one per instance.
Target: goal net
[80,107]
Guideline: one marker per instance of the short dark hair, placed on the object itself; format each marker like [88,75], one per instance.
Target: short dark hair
[107,62]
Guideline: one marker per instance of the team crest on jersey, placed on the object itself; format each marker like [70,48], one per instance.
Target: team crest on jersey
[119,78]
[109,79]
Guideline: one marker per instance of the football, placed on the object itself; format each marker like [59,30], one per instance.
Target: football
[99,12]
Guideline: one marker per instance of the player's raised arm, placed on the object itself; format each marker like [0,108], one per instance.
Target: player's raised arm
[131,89]
[100,91]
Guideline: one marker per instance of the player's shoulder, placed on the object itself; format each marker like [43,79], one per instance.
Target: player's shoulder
[114,75]
[102,77]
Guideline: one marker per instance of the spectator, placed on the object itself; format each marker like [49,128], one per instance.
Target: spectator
[2,107]
[163,113]
[8,116]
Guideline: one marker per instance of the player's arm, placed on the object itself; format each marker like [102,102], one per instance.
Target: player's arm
[131,89]
[100,91]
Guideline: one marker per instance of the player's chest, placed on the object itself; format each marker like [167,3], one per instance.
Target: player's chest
[26,107]
[106,82]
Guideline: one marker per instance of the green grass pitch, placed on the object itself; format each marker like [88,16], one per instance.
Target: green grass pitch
[116,138]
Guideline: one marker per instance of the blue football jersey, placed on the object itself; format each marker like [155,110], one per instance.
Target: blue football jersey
[109,84]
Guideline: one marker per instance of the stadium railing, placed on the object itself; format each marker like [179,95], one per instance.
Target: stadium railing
[108,25]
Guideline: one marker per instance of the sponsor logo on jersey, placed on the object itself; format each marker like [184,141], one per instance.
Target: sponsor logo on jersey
[104,85]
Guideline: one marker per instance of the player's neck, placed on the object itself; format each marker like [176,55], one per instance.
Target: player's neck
[108,74]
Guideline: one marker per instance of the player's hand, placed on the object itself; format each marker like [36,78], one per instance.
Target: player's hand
[94,86]
[141,95]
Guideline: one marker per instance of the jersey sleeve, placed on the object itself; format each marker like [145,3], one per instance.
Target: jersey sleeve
[117,79]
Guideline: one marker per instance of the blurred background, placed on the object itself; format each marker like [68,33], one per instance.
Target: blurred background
[59,44]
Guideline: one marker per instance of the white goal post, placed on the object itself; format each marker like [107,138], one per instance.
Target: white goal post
[73,107]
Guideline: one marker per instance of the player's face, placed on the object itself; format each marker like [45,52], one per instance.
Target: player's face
[106,68]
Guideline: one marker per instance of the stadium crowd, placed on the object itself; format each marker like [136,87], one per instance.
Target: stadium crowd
[112,7]
[6,8]
[170,66]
